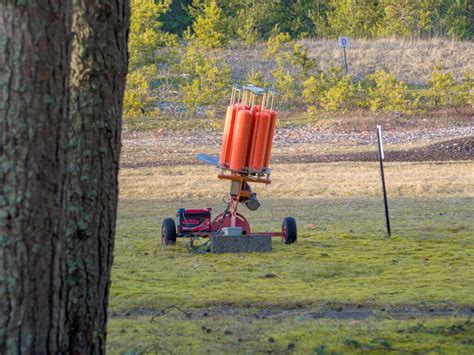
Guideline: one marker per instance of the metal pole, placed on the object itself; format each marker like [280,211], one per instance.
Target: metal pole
[381,159]
[345,60]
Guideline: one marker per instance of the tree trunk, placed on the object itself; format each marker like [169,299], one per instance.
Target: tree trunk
[98,70]
[34,70]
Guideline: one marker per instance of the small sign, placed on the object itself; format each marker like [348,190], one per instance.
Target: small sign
[343,42]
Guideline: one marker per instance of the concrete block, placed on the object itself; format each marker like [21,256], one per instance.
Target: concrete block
[241,244]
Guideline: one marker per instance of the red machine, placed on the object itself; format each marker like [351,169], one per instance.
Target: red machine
[244,159]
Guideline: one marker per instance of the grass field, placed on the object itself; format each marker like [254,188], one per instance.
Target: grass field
[343,287]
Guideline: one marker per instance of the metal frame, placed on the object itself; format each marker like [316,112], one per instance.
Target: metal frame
[245,95]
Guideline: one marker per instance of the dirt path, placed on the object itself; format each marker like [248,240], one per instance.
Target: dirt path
[449,150]
[456,149]
[335,311]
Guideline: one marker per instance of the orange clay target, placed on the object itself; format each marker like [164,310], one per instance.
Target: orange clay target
[259,147]
[240,140]
[228,135]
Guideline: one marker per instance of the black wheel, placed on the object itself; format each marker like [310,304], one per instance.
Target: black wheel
[168,232]
[288,229]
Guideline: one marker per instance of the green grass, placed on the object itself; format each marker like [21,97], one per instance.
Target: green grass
[342,259]
[177,333]
[342,255]
[165,300]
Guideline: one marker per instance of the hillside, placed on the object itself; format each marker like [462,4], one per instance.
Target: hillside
[410,60]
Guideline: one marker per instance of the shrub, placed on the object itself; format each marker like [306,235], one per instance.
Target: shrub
[284,81]
[467,95]
[338,97]
[246,30]
[385,93]
[276,43]
[209,25]
[138,98]
[257,78]
[313,88]
[146,35]
[330,90]
[443,90]
[302,61]
[206,76]
[293,66]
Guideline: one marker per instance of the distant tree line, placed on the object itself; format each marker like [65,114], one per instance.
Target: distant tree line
[176,53]
[256,19]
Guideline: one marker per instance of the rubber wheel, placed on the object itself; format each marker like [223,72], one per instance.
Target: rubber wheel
[288,230]
[168,232]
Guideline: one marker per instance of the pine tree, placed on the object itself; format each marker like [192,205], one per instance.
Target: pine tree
[95,111]
[459,19]
[404,18]
[443,90]
[355,18]
[146,34]
[385,93]
[146,39]
[318,15]
[210,27]
[207,76]
[34,71]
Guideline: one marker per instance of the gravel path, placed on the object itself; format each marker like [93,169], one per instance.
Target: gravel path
[154,149]
[297,135]
[311,136]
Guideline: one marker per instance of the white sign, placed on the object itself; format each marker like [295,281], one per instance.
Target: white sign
[343,42]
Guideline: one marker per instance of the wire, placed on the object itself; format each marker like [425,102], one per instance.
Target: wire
[205,247]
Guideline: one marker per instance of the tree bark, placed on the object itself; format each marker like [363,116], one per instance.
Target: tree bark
[34,70]
[98,70]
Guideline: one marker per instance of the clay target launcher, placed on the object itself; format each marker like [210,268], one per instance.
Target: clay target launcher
[245,157]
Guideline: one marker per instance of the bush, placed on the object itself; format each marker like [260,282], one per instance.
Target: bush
[284,81]
[257,78]
[385,93]
[276,42]
[467,95]
[442,88]
[209,25]
[293,66]
[246,31]
[206,76]
[340,96]
[138,98]
[146,35]
[302,61]
[313,88]
[330,90]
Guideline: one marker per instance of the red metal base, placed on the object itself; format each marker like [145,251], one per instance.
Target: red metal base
[236,220]
[204,228]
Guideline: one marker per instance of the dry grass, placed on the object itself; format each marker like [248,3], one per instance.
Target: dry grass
[410,60]
[293,181]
